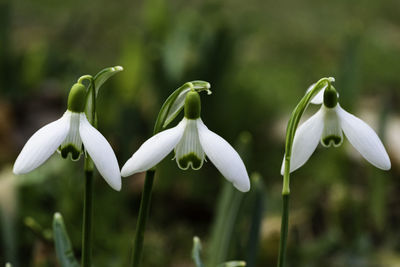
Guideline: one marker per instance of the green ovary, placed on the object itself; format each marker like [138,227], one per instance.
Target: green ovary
[77,98]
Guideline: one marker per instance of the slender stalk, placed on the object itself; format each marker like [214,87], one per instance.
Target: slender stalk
[86,260]
[143,215]
[285,214]
[87,214]
[284,230]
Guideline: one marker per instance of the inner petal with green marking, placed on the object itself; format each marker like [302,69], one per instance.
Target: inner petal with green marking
[332,133]
[72,143]
[189,152]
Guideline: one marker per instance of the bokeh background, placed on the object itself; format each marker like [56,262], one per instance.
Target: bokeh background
[259,56]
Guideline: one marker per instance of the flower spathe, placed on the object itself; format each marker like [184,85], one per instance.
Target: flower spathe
[69,133]
[328,125]
[192,141]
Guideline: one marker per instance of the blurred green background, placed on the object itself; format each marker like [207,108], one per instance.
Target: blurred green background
[259,56]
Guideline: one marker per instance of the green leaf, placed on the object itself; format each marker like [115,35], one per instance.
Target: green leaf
[174,103]
[257,199]
[65,253]
[98,80]
[233,264]
[8,264]
[196,252]
[224,224]
[228,208]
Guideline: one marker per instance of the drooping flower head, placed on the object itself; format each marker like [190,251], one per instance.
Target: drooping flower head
[327,126]
[192,141]
[70,134]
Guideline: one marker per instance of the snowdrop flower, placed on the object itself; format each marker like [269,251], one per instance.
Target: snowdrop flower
[327,126]
[67,134]
[191,141]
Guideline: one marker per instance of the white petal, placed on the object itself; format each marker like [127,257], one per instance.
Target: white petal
[42,145]
[224,157]
[154,150]
[101,152]
[306,141]
[364,139]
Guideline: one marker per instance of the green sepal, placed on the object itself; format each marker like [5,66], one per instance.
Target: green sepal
[196,251]
[98,80]
[64,251]
[76,98]
[175,102]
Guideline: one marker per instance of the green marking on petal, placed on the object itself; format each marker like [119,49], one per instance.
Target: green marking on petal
[190,160]
[70,149]
[330,140]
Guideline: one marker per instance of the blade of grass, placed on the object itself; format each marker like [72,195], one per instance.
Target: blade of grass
[65,253]
[257,212]
[227,211]
[196,251]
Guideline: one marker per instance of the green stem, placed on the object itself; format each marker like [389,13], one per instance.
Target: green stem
[93,92]
[284,230]
[86,260]
[143,215]
[87,214]
[285,213]
[286,177]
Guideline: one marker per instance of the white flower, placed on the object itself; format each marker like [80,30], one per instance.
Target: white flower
[68,133]
[191,141]
[327,125]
